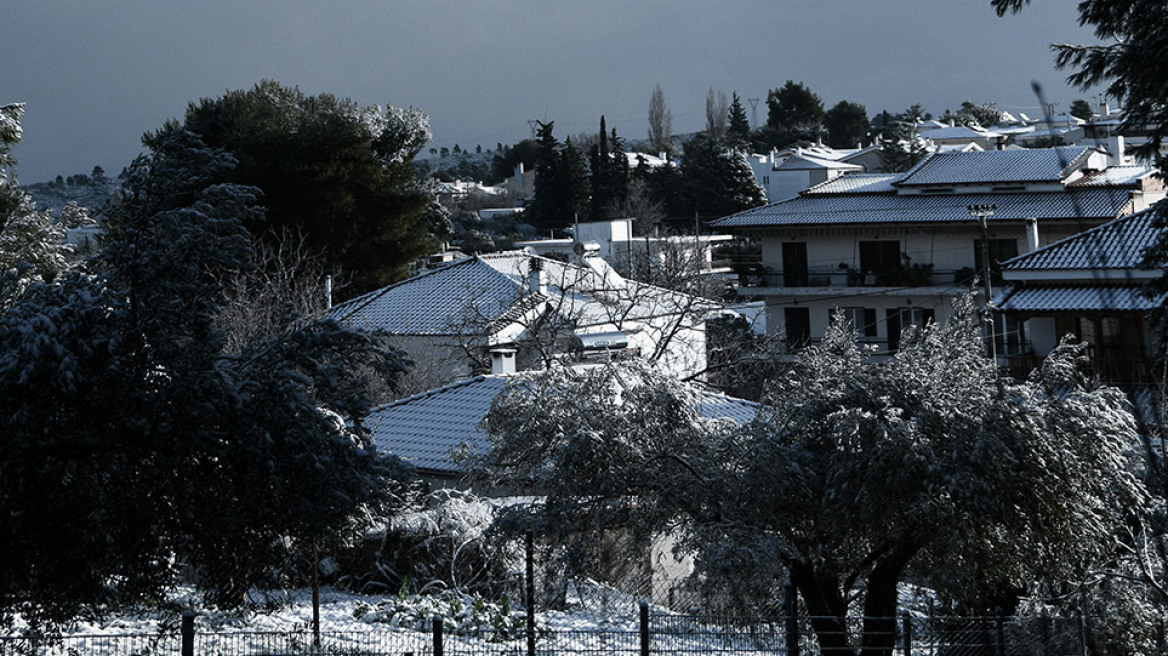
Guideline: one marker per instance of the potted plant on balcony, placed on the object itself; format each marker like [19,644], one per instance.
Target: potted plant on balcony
[841,276]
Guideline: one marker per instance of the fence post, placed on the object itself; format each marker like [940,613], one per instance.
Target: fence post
[644,627]
[530,592]
[791,606]
[438,636]
[999,626]
[188,632]
[906,620]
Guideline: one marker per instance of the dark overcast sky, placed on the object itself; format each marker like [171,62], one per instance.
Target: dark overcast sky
[96,75]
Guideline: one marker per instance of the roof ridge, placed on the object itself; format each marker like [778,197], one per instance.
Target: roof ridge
[442,389]
[360,302]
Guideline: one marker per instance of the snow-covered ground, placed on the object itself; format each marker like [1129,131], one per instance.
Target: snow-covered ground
[354,624]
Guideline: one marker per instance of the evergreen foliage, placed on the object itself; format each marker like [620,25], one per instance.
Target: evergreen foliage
[1081,108]
[847,125]
[133,445]
[794,115]
[900,145]
[609,175]
[717,180]
[339,173]
[738,130]
[561,183]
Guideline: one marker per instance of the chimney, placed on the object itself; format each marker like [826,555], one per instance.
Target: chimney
[536,276]
[1031,234]
[502,361]
[1115,148]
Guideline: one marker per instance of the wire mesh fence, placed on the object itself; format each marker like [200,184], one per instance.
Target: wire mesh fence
[138,644]
[636,634]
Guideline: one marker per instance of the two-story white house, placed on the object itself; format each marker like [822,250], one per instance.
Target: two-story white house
[892,250]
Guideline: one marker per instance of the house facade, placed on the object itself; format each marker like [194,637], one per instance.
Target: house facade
[892,250]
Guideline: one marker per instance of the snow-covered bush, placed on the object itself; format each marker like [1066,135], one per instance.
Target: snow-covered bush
[442,547]
[461,614]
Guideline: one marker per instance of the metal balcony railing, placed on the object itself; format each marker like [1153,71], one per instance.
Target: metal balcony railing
[911,276]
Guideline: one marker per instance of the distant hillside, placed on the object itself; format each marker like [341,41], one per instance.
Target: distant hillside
[91,191]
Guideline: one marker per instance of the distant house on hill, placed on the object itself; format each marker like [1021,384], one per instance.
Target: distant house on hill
[783,174]
[515,311]
[890,250]
[614,242]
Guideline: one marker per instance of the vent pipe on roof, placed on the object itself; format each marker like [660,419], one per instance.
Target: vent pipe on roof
[1031,234]
[503,361]
[328,292]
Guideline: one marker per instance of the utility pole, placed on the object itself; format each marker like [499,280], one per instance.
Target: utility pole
[982,212]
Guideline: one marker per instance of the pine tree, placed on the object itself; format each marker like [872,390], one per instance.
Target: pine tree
[544,211]
[718,181]
[609,174]
[739,128]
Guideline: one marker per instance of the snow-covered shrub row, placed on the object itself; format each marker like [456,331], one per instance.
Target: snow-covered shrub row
[461,614]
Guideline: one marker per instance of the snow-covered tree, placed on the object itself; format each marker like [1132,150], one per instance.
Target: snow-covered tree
[718,180]
[33,245]
[854,473]
[133,443]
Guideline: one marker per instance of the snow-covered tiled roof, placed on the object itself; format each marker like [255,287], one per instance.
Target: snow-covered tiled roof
[996,166]
[1115,245]
[1102,204]
[956,132]
[863,183]
[1114,176]
[485,290]
[805,162]
[1075,299]
[425,429]
[435,302]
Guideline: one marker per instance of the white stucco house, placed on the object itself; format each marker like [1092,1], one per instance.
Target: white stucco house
[892,249]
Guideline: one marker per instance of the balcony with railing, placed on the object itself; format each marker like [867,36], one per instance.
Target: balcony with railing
[914,275]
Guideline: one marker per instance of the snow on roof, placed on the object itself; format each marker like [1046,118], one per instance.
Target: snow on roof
[805,161]
[426,428]
[863,183]
[435,302]
[1118,244]
[1101,204]
[484,290]
[1114,176]
[996,166]
[957,132]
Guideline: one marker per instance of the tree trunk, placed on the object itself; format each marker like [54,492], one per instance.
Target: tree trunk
[880,600]
[821,594]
